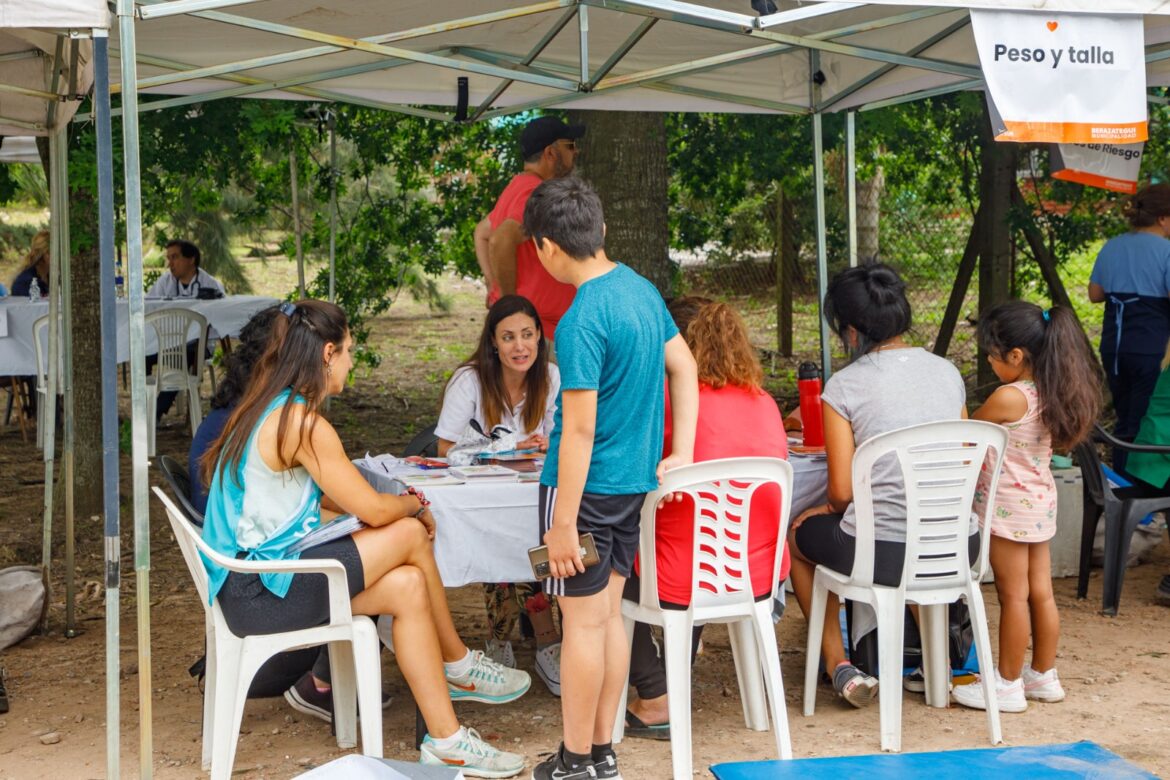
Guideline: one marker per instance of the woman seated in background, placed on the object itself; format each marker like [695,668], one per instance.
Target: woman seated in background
[276,469]
[36,266]
[887,385]
[509,382]
[237,371]
[737,418]
[1153,468]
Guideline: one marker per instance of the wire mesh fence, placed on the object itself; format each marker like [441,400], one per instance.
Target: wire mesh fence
[925,242]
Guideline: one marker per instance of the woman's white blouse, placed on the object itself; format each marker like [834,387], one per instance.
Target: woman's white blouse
[463,403]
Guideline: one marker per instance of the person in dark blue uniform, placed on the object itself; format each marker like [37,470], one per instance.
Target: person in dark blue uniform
[1132,278]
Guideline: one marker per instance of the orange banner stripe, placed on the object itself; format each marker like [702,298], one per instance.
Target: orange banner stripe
[1095,180]
[1074,132]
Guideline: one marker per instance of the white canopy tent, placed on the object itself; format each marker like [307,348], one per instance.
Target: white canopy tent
[646,55]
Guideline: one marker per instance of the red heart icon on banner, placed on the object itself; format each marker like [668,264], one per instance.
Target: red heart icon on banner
[1052,26]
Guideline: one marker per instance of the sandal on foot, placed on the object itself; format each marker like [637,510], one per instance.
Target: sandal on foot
[636,728]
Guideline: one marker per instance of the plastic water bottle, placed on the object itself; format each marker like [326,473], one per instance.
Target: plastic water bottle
[119,284]
[34,291]
[808,384]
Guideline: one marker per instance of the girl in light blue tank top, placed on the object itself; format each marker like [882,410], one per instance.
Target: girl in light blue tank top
[275,469]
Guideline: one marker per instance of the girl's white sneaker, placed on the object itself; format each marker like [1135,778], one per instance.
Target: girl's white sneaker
[1009,694]
[1042,687]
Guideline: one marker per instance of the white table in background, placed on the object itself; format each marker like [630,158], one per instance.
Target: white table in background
[18,357]
[483,531]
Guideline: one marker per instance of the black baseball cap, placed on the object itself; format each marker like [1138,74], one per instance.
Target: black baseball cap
[545,130]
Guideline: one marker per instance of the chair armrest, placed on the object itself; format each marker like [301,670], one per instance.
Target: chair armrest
[1103,436]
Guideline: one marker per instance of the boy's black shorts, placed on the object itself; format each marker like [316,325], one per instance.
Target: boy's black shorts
[614,523]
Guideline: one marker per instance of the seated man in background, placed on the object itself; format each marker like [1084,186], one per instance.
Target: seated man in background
[183,279]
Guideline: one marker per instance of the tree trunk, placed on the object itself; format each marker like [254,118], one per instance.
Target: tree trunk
[87,353]
[623,155]
[997,178]
[869,198]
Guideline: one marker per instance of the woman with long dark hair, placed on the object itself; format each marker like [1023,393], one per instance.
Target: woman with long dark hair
[888,384]
[276,469]
[509,384]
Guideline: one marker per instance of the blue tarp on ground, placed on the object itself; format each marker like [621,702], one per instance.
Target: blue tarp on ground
[1074,760]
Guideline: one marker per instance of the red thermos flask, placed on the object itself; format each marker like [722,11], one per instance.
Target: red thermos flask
[808,384]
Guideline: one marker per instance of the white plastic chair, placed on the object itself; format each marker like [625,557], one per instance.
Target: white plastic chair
[232,661]
[721,590]
[41,341]
[940,463]
[173,329]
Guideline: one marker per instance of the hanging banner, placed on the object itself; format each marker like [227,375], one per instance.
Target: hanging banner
[1107,166]
[1064,77]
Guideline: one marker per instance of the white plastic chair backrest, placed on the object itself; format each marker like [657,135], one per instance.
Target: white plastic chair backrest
[940,463]
[41,342]
[722,492]
[189,543]
[173,328]
[195,550]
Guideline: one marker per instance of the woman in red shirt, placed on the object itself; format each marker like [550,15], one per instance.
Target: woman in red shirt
[737,418]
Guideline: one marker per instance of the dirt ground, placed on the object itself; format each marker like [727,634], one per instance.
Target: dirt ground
[1113,668]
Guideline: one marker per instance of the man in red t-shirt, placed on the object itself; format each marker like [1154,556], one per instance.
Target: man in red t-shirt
[506,256]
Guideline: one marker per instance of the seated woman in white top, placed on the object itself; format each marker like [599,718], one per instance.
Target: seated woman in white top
[277,472]
[509,383]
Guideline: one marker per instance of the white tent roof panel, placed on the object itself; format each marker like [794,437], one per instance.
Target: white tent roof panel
[76,14]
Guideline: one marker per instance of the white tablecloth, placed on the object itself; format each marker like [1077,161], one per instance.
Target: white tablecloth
[483,532]
[18,354]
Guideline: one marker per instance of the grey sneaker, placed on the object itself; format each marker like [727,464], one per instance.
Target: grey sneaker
[488,682]
[854,685]
[472,756]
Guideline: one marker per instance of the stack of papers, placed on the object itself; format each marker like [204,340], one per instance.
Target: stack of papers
[481,474]
[430,477]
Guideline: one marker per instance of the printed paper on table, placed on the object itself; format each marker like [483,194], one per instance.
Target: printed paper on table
[1064,77]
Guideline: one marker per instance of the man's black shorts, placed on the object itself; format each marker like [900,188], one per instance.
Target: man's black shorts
[614,523]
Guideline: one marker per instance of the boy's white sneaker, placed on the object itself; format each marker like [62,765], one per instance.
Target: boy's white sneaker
[488,682]
[1009,694]
[472,756]
[1042,687]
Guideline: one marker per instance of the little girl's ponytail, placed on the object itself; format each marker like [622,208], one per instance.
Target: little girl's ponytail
[1068,377]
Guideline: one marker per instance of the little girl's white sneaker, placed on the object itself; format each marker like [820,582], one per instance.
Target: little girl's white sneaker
[1042,687]
[1009,694]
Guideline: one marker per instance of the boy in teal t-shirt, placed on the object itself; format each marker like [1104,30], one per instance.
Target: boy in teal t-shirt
[615,346]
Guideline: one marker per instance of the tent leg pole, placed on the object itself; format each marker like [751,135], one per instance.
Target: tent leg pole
[109,339]
[296,209]
[851,181]
[60,164]
[332,207]
[137,328]
[822,250]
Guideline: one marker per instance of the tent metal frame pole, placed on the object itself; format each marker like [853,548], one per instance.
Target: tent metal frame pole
[923,94]
[49,417]
[59,153]
[332,206]
[583,42]
[176,7]
[137,329]
[528,59]
[212,71]
[621,51]
[296,211]
[851,182]
[386,51]
[109,340]
[822,250]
